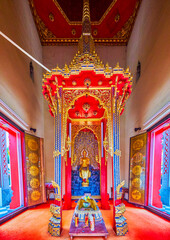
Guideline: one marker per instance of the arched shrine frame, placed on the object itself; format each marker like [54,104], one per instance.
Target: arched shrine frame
[104,96]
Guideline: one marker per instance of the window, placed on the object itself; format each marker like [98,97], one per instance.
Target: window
[159,173]
[11,174]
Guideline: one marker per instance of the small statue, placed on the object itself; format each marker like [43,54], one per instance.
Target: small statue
[120,186]
[84,171]
[57,191]
[54,226]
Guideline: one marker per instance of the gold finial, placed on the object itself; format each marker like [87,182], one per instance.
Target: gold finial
[86,44]
[107,67]
[66,68]
[117,65]
[127,69]
[86,10]
[86,24]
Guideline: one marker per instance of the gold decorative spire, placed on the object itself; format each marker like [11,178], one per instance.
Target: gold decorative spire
[86,44]
[86,24]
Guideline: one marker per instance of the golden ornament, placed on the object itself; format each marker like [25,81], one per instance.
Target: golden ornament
[138,144]
[35,195]
[73,31]
[136,195]
[33,157]
[138,157]
[137,170]
[51,17]
[136,182]
[33,145]
[34,171]
[34,183]
[74,83]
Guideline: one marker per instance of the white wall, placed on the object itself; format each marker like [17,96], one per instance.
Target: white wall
[149,43]
[16,87]
[53,55]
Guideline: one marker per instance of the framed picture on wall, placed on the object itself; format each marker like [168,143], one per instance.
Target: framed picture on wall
[137,169]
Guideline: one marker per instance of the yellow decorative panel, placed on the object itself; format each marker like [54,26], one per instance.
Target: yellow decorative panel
[137,169]
[35,181]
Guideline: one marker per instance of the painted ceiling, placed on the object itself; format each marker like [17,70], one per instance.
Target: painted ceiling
[59,22]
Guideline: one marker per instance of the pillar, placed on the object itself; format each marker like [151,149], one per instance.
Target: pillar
[116,146]
[67,196]
[119,223]
[103,171]
[57,145]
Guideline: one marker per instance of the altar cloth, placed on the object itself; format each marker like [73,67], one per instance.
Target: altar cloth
[80,212]
[82,231]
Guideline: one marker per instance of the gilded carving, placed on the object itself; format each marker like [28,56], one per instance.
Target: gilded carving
[137,170]
[103,96]
[33,157]
[136,194]
[35,195]
[43,31]
[34,171]
[51,17]
[32,144]
[56,153]
[85,141]
[48,38]
[34,183]
[124,34]
[138,144]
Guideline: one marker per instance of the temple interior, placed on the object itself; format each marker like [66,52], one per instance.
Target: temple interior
[85,119]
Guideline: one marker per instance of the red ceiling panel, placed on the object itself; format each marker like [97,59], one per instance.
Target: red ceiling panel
[65,26]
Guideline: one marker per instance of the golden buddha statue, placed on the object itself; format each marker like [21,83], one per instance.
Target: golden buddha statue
[84,171]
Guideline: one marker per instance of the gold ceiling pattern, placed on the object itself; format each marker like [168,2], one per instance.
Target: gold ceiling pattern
[47,37]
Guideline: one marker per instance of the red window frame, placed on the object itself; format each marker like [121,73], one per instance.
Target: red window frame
[16,136]
[153,173]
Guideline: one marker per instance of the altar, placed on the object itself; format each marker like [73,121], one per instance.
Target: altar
[80,231]
[87,219]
